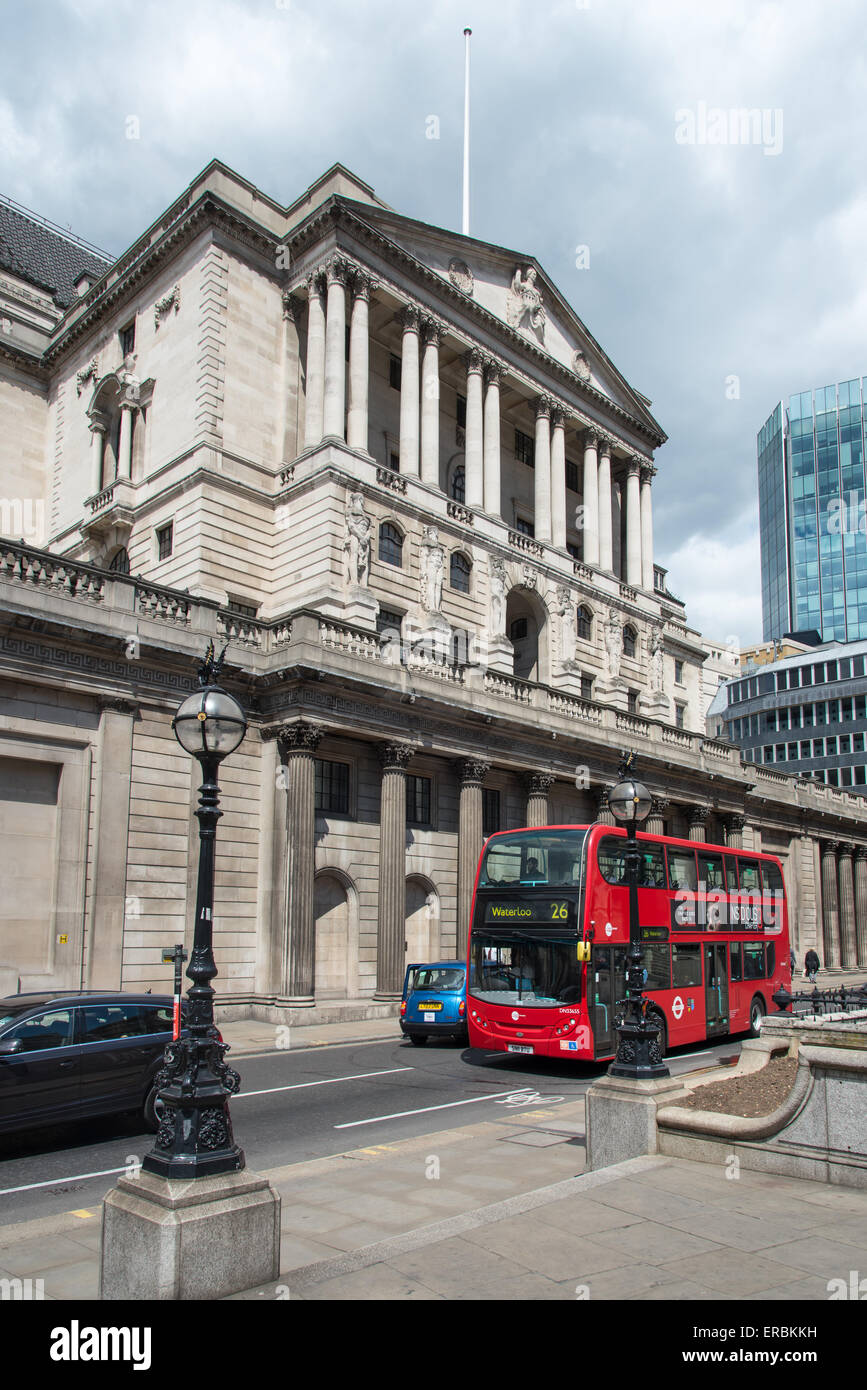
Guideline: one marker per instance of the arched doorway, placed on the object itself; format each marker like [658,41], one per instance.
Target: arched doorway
[526,628]
[333,903]
[422,920]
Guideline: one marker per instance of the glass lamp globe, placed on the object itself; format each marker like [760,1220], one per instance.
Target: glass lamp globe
[210,723]
[629,802]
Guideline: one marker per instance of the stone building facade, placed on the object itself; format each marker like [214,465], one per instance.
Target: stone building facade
[390,469]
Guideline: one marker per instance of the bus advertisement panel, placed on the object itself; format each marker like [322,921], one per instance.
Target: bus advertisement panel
[550,928]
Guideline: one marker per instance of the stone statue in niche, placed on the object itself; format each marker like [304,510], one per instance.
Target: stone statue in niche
[656,659]
[356,542]
[613,644]
[498,598]
[524,308]
[432,571]
[566,611]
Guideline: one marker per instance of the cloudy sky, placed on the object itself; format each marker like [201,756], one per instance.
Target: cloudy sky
[722,276]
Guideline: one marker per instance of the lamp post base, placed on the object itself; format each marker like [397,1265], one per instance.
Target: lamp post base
[639,1055]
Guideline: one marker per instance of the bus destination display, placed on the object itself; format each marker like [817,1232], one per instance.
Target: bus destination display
[513,912]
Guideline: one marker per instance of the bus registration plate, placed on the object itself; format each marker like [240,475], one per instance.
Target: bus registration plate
[518,1047]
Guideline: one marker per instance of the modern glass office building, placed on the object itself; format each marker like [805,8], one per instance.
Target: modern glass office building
[812,514]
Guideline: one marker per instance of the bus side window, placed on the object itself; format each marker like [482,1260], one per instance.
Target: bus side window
[736,960]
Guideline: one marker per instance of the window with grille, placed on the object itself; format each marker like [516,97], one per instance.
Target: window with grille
[526,528]
[387,620]
[629,641]
[572,476]
[586,687]
[390,545]
[585,624]
[459,484]
[164,541]
[460,573]
[632,702]
[418,800]
[525,449]
[332,787]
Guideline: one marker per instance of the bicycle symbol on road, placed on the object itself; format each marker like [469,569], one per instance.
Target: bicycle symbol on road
[528,1097]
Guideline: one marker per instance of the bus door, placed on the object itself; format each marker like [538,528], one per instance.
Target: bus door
[607,986]
[716,989]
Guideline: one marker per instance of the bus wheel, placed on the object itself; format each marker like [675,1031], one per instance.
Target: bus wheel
[757,1013]
[658,1023]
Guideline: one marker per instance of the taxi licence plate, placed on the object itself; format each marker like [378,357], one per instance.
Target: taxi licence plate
[426,1007]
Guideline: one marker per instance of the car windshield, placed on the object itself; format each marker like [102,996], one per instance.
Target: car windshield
[533,858]
[436,979]
[518,969]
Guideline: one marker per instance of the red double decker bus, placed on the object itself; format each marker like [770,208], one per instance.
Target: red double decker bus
[549,933]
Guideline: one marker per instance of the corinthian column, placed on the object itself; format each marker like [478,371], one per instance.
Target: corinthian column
[315,376]
[359,362]
[472,772]
[542,499]
[849,948]
[391,933]
[298,744]
[698,822]
[633,524]
[409,391]
[655,824]
[558,478]
[335,351]
[537,785]
[647,473]
[861,904]
[430,404]
[606,538]
[734,827]
[591,499]
[492,437]
[473,456]
[830,906]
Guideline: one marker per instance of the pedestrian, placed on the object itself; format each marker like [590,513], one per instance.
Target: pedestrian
[792,962]
[811,965]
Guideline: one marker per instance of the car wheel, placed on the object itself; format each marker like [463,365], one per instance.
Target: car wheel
[757,1014]
[153,1110]
[418,1039]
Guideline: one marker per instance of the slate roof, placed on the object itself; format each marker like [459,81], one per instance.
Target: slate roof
[44,255]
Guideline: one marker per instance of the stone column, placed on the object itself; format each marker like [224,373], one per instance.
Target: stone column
[542,499]
[475,482]
[124,448]
[646,506]
[298,744]
[861,904]
[333,420]
[558,478]
[111,843]
[472,772]
[359,362]
[603,810]
[315,376]
[849,947]
[391,933]
[830,907]
[492,437]
[633,524]
[409,391]
[734,825]
[698,822]
[591,499]
[430,405]
[655,823]
[98,429]
[606,538]
[537,785]
[616,519]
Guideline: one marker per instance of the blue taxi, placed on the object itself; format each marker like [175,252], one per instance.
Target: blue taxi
[434,1001]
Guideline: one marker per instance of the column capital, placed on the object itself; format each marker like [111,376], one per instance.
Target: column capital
[409,318]
[846,850]
[394,755]
[314,280]
[698,815]
[559,414]
[298,737]
[830,847]
[539,783]
[861,852]
[474,360]
[734,822]
[633,466]
[647,472]
[494,371]
[337,270]
[98,423]
[292,306]
[606,444]
[117,704]
[543,405]
[472,771]
[591,439]
[362,283]
[659,805]
[433,330]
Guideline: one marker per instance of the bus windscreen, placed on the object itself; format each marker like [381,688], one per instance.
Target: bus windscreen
[533,859]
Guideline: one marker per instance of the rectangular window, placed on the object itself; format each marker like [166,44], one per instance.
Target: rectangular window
[164,541]
[461,412]
[685,966]
[394,461]
[526,528]
[680,716]
[657,963]
[127,339]
[678,672]
[754,961]
[711,872]
[736,962]
[748,873]
[490,811]
[586,687]
[418,800]
[572,476]
[632,702]
[394,372]
[525,449]
[246,610]
[332,787]
[681,869]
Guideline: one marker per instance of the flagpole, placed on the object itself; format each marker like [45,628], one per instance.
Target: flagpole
[465,228]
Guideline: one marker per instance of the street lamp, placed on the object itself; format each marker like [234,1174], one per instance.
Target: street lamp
[195,1132]
[639,1055]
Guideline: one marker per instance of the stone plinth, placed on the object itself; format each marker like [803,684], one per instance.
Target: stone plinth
[360,607]
[501,655]
[621,1117]
[200,1238]
[655,706]
[614,692]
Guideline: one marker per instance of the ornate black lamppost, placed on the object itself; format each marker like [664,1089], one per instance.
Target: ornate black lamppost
[195,1133]
[639,1055]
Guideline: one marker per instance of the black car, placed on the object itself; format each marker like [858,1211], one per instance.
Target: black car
[66,1057]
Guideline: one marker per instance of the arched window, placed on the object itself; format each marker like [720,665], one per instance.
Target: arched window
[390,545]
[119,563]
[629,640]
[460,573]
[459,484]
[585,623]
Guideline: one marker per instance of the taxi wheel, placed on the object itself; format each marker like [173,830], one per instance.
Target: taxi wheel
[418,1040]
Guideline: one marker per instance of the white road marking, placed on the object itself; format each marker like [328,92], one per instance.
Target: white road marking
[330,1081]
[58,1182]
[449,1105]
[684,1055]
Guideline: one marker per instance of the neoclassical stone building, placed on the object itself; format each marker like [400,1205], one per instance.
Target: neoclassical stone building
[392,471]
